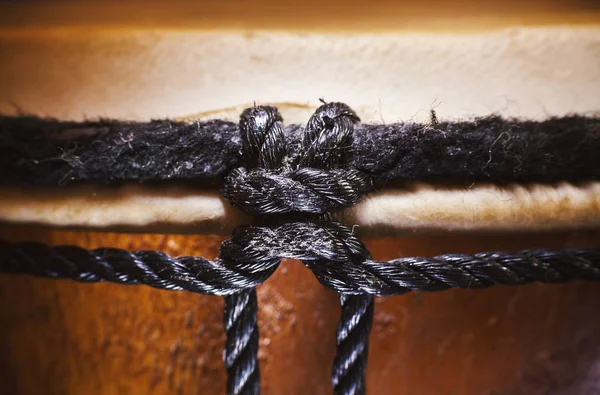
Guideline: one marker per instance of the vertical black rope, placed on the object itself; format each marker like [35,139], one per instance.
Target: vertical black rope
[241,347]
[263,146]
[328,137]
[350,364]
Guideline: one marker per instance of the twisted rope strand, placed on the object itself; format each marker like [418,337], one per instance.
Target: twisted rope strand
[328,135]
[354,327]
[152,268]
[395,277]
[305,190]
[263,148]
[241,348]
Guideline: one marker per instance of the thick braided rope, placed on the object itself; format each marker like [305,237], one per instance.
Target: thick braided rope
[395,277]
[45,152]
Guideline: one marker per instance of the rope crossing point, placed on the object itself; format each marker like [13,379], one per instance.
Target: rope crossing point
[291,188]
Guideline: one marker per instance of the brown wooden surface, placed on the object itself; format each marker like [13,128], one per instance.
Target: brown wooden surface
[60,337]
[306,15]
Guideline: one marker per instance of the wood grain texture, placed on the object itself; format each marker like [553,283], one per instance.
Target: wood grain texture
[60,337]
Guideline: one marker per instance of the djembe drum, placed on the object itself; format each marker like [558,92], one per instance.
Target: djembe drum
[210,61]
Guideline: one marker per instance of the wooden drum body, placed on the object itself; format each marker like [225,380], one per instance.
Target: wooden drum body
[390,62]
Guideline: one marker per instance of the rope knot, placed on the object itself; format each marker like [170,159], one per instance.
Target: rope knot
[320,181]
[317,183]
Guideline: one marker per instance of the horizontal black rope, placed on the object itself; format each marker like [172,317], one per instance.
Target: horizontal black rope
[395,277]
[152,268]
[37,151]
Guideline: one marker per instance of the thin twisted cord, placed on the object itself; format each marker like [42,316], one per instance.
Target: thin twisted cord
[395,277]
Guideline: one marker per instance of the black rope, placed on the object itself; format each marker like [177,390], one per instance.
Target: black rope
[241,348]
[395,277]
[310,183]
[292,179]
[327,135]
[152,268]
[350,364]
[37,151]
[263,147]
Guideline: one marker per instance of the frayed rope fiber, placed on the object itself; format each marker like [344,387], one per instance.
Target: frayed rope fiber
[38,151]
[291,179]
